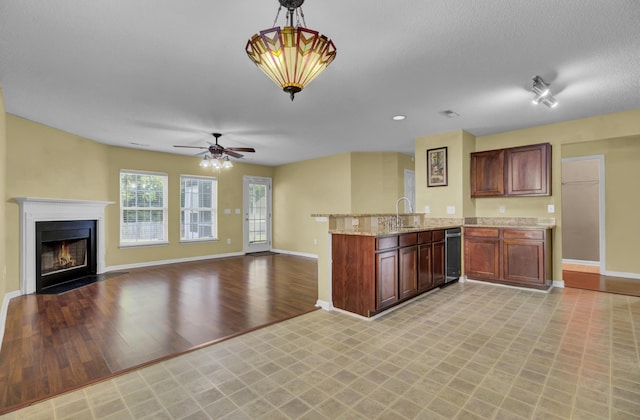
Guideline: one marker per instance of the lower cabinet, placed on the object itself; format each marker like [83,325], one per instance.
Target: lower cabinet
[386,279]
[408,272]
[513,256]
[438,258]
[425,276]
[371,274]
[482,253]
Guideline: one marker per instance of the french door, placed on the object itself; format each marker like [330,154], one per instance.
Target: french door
[257,214]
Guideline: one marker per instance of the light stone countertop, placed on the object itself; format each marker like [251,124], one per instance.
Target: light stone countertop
[378,224]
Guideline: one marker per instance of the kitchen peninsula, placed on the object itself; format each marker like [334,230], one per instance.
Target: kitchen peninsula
[382,260]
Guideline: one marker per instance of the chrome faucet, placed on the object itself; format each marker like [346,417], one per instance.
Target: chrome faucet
[398,211]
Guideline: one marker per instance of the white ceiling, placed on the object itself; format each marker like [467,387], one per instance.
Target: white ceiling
[160,72]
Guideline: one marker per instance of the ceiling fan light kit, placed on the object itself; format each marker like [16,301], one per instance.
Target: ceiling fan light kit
[215,155]
[291,56]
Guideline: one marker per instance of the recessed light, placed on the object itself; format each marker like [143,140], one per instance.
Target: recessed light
[450,114]
[399,117]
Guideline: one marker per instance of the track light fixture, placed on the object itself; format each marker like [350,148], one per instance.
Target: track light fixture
[542,92]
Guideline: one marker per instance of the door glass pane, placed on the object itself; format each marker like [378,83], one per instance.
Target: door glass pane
[257,213]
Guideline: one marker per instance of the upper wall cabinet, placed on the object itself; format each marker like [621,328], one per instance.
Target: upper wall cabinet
[516,171]
[487,173]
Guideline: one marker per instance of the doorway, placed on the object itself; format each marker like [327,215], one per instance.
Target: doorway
[257,214]
[410,189]
[583,230]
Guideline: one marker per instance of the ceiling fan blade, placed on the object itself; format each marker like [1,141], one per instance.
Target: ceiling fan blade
[242,149]
[232,153]
[191,147]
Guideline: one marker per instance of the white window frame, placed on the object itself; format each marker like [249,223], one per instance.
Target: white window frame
[165,192]
[213,209]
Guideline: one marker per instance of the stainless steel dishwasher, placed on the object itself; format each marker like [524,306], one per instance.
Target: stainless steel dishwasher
[452,243]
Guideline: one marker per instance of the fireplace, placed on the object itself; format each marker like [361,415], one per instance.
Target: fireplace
[65,251]
[35,210]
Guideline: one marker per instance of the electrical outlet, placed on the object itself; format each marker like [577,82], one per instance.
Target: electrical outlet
[427,209]
[451,209]
[228,241]
[501,209]
[227,211]
[551,208]
[237,211]
[315,242]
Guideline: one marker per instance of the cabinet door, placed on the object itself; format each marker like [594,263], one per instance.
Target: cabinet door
[482,258]
[408,276]
[529,170]
[523,262]
[425,276]
[487,173]
[386,279]
[437,263]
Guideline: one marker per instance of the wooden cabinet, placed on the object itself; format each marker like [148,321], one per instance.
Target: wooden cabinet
[408,266]
[438,258]
[516,171]
[386,279]
[482,253]
[523,256]
[514,256]
[528,170]
[425,276]
[487,173]
[371,274]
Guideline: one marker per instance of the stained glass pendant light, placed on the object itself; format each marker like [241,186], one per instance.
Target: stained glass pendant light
[291,56]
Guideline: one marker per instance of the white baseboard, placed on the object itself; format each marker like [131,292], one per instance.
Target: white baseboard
[172,261]
[558,283]
[622,274]
[581,262]
[324,305]
[297,254]
[3,312]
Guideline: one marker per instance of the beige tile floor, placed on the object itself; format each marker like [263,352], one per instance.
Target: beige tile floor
[469,351]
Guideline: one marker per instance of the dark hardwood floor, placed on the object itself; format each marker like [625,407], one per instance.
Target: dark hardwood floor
[597,282]
[55,343]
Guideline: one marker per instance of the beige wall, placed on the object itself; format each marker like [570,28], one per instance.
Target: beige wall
[622,197]
[603,127]
[377,181]
[317,186]
[54,164]
[439,198]
[4,286]
[41,158]
[229,197]
[339,184]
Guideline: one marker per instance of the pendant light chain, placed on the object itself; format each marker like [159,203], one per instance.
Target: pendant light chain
[276,19]
[300,14]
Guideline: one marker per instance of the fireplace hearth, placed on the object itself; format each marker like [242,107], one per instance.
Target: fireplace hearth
[65,252]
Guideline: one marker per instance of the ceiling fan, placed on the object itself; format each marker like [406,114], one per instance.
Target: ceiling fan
[217,150]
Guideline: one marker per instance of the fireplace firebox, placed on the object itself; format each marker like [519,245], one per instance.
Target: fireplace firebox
[65,252]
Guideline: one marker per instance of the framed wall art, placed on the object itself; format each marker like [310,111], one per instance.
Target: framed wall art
[437,167]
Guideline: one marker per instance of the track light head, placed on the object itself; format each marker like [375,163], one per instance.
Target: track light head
[542,93]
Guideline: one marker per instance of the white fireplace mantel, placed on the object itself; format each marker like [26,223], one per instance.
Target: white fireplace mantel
[34,210]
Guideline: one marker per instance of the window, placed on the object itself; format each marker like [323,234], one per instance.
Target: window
[143,208]
[198,208]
